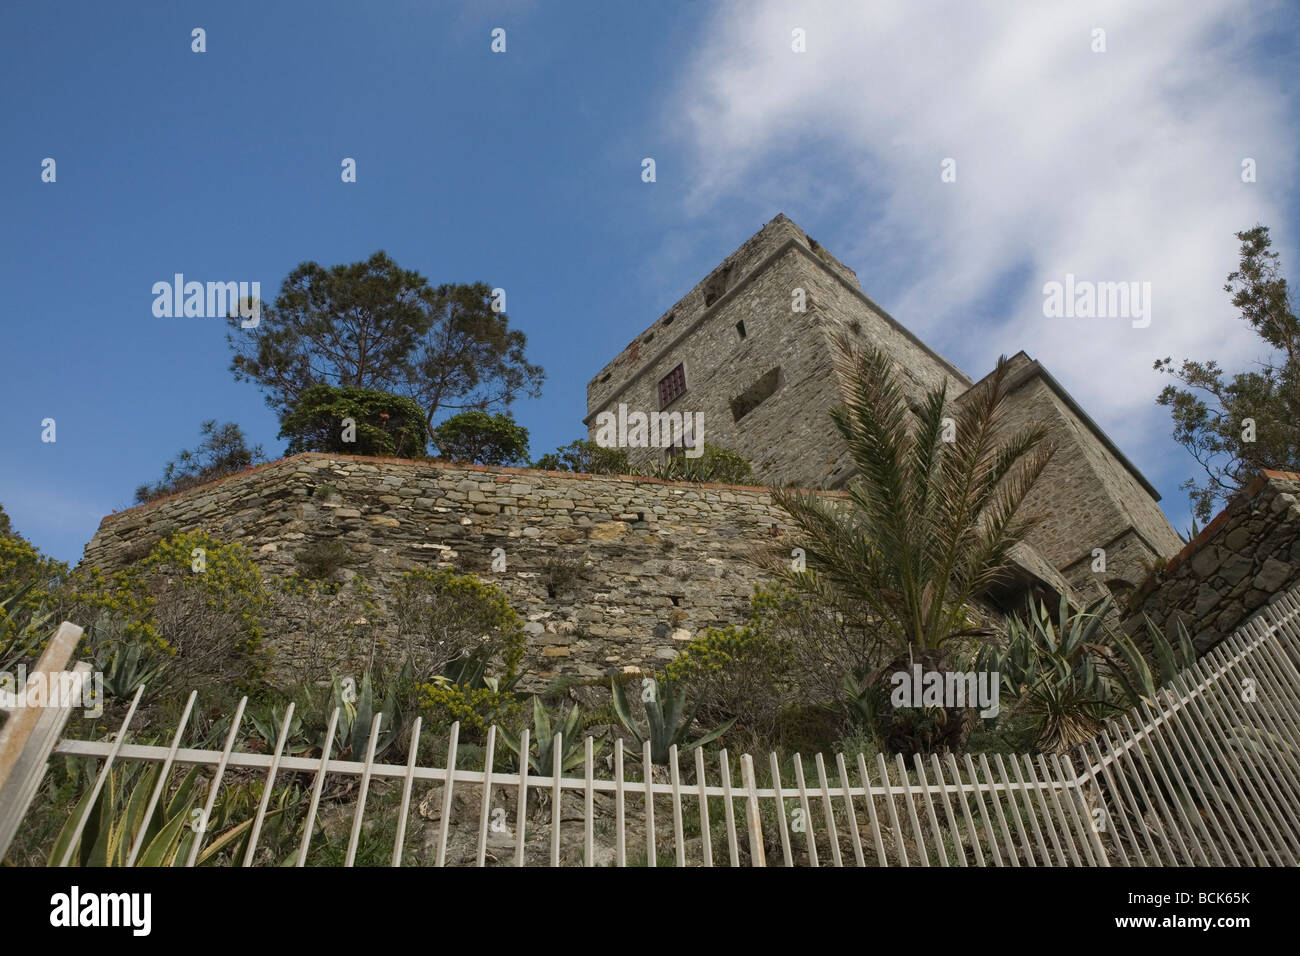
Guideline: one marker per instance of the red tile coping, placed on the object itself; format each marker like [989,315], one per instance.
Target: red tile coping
[504,472]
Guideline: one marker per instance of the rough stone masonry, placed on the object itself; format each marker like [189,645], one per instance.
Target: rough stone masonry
[749,349]
[609,572]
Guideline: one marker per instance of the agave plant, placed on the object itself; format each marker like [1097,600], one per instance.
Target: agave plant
[125,664]
[1139,681]
[268,720]
[1069,673]
[667,716]
[543,738]
[114,825]
[471,671]
[357,716]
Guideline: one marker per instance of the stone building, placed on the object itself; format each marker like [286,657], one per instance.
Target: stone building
[749,350]
[615,573]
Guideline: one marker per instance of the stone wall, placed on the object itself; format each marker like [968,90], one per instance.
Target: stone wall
[789,437]
[1244,558]
[656,562]
[1091,496]
[1088,497]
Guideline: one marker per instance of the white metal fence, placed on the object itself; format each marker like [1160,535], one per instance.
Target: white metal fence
[1208,774]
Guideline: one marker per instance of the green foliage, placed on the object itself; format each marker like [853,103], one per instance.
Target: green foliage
[118,816]
[931,524]
[476,708]
[471,671]
[1170,658]
[268,718]
[375,325]
[482,439]
[29,585]
[586,457]
[386,425]
[210,621]
[714,464]
[668,719]
[720,650]
[746,672]
[541,750]
[223,451]
[322,559]
[125,664]
[445,617]
[358,712]
[1066,675]
[1210,411]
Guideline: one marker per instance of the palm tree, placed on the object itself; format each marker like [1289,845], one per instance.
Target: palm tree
[931,521]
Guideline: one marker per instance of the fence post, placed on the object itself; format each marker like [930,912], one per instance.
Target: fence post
[757,857]
[30,734]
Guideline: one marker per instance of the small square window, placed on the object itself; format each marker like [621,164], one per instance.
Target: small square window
[740,329]
[671,386]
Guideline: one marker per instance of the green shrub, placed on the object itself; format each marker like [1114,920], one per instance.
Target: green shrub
[586,457]
[714,464]
[197,599]
[476,708]
[384,424]
[29,587]
[482,439]
[443,617]
[322,559]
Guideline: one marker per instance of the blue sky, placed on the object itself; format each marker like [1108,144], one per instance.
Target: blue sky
[522,170]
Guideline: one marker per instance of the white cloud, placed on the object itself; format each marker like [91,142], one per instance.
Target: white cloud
[1122,165]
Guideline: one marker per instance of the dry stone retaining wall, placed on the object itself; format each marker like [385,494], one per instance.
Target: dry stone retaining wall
[649,564]
[1246,557]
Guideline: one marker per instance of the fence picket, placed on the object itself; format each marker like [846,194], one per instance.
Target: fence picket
[521,814]
[215,784]
[266,788]
[407,782]
[729,811]
[485,806]
[701,786]
[829,808]
[364,791]
[317,786]
[449,781]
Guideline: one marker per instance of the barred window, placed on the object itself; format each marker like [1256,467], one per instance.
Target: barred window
[671,386]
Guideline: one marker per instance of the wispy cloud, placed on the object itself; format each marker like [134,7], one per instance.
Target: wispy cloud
[1113,166]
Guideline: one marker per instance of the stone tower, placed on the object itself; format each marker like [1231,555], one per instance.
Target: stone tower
[749,349]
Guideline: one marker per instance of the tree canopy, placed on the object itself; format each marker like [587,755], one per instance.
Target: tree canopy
[586,457]
[223,451]
[374,325]
[482,439]
[1236,426]
[354,421]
